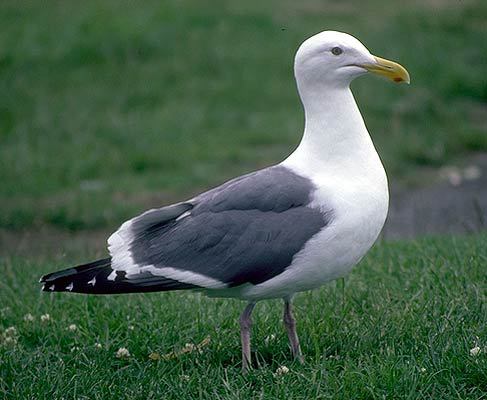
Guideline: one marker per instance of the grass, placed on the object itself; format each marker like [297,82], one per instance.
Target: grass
[401,326]
[111,107]
[108,109]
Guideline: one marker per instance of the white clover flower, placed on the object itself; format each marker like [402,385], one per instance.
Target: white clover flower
[98,345]
[28,317]
[422,370]
[9,340]
[4,310]
[74,348]
[188,347]
[9,336]
[72,327]
[282,370]
[269,339]
[131,327]
[45,317]
[122,352]
[11,331]
[185,378]
[475,351]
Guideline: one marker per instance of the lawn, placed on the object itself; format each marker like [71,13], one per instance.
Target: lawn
[109,108]
[401,326]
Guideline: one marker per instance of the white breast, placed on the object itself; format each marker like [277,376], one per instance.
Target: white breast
[358,199]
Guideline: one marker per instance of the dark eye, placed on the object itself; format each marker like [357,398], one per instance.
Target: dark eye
[336,51]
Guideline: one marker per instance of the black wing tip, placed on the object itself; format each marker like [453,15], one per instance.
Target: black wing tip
[49,287]
[58,274]
[74,270]
[93,278]
[56,281]
[45,278]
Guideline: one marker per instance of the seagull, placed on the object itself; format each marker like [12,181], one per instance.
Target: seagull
[274,232]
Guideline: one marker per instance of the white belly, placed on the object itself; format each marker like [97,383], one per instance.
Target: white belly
[359,211]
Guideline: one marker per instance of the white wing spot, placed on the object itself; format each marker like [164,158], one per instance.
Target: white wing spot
[51,288]
[183,215]
[92,282]
[112,276]
[70,287]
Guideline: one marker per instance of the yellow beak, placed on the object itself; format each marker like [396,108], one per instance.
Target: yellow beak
[389,69]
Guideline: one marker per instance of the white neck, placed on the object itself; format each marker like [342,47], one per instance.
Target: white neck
[334,135]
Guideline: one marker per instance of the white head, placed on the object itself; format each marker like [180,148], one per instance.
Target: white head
[333,59]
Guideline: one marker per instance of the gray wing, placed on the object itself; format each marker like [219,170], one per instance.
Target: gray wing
[244,231]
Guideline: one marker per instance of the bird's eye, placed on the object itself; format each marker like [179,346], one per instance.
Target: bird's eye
[336,51]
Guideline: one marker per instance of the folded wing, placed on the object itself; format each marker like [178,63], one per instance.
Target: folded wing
[246,231]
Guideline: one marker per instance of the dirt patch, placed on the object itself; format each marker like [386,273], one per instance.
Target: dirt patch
[456,203]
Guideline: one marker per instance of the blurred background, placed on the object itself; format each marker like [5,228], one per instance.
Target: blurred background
[109,108]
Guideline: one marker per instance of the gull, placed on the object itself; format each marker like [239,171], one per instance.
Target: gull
[275,232]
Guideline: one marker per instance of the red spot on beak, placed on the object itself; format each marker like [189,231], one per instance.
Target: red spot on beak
[398,79]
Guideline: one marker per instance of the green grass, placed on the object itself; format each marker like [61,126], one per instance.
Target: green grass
[401,326]
[109,108]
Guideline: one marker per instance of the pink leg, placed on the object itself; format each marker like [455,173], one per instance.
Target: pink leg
[245,325]
[290,324]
